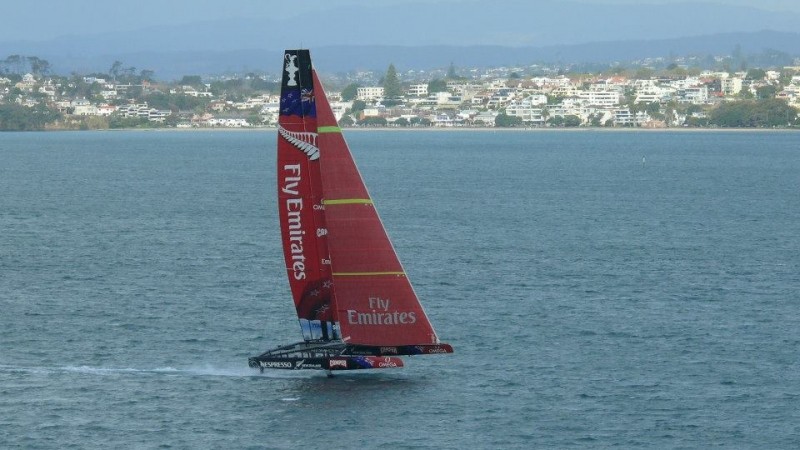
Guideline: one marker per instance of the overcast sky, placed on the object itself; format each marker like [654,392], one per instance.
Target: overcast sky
[53,18]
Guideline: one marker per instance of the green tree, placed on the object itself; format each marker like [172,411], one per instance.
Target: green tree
[504,120]
[117,121]
[260,84]
[697,122]
[14,94]
[644,73]
[420,122]
[22,118]
[451,72]
[437,85]
[759,113]
[617,70]
[653,109]
[756,74]
[765,92]
[254,119]
[572,121]
[346,121]
[160,100]
[373,121]
[115,69]
[146,74]
[15,62]
[350,92]
[39,66]
[391,84]
[358,105]
[786,76]
[191,80]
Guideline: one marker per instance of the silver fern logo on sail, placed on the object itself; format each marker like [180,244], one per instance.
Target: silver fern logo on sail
[305,141]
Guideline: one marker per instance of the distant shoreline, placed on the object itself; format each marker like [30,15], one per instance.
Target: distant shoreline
[452,129]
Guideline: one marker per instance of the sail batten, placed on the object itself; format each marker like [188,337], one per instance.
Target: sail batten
[329,129]
[347,201]
[367,274]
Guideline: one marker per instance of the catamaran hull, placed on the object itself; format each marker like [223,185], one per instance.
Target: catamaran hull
[340,356]
[389,350]
[326,363]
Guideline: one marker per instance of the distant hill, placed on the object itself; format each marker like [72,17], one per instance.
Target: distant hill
[426,57]
[426,34]
[344,58]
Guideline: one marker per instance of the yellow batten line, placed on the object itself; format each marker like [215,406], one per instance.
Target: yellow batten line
[330,129]
[348,201]
[366,274]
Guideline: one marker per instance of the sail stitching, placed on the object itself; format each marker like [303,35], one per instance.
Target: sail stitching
[304,141]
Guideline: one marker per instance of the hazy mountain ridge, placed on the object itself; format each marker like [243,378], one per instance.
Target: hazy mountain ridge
[345,58]
[466,33]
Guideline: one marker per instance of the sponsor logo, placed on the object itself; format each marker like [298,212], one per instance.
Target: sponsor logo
[292,176]
[277,364]
[387,362]
[301,364]
[309,366]
[305,141]
[389,350]
[436,349]
[378,318]
[380,315]
[337,363]
[291,69]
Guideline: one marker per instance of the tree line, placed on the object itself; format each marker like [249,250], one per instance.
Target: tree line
[760,113]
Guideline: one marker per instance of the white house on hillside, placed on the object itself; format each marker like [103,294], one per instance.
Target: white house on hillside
[418,90]
[369,93]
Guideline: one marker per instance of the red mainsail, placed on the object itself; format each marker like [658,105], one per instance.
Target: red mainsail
[300,196]
[346,279]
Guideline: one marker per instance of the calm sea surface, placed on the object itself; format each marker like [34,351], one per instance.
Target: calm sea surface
[601,289]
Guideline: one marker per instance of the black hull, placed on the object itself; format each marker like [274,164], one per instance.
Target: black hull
[330,356]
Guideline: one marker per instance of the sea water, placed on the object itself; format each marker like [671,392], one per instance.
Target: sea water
[601,289]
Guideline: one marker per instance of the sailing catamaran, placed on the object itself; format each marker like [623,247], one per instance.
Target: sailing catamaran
[356,306]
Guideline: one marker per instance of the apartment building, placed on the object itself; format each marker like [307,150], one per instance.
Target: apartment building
[369,93]
[418,90]
[600,98]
